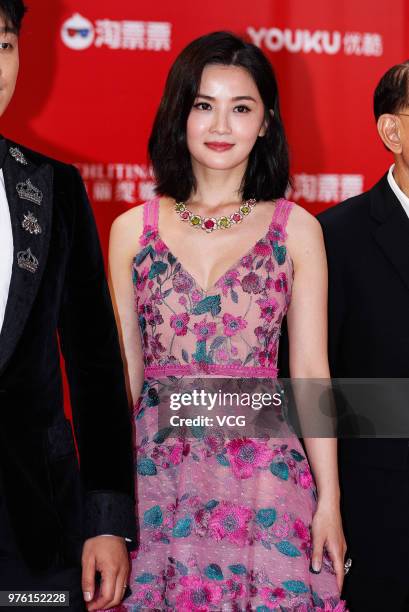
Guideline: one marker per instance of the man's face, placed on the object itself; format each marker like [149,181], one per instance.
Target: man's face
[9,64]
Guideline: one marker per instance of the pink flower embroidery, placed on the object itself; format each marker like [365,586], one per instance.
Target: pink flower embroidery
[230,521]
[198,595]
[236,589]
[276,232]
[301,530]
[182,282]
[281,283]
[182,300]
[228,281]
[272,596]
[246,455]
[232,325]
[305,478]
[149,235]
[252,283]
[262,248]
[160,246]
[176,453]
[204,330]
[179,322]
[141,279]
[268,308]
[196,296]
[148,596]
[247,261]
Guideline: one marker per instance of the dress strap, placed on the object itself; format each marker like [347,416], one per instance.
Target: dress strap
[151,214]
[281,213]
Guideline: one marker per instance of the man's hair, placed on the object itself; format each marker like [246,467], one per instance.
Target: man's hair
[267,173]
[13,12]
[392,92]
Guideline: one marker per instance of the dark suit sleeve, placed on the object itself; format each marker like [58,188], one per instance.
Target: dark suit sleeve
[336,289]
[90,347]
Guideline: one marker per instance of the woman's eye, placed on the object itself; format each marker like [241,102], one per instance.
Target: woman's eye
[202,106]
[242,109]
[5,46]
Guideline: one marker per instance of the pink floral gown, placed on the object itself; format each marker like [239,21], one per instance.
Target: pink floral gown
[224,524]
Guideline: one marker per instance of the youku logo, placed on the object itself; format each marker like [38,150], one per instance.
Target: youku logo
[78,32]
[317,41]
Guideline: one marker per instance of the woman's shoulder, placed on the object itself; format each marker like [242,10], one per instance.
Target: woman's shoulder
[303,231]
[127,229]
[302,223]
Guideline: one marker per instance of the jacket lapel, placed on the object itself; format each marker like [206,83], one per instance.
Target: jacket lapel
[392,229]
[30,198]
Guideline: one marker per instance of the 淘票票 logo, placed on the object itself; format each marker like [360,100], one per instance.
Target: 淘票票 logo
[77,32]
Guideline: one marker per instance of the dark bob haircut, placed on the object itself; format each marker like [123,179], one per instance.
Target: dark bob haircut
[12,12]
[392,92]
[267,173]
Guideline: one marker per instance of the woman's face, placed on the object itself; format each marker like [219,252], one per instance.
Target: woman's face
[226,118]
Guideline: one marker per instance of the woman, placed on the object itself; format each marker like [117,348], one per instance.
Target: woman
[225,524]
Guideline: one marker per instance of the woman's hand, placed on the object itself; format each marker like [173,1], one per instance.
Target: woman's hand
[327,532]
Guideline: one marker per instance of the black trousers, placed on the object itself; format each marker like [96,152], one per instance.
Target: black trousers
[375,507]
[15,575]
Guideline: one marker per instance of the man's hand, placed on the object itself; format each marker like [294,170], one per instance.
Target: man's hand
[108,556]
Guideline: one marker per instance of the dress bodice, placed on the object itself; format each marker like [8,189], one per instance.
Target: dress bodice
[233,328]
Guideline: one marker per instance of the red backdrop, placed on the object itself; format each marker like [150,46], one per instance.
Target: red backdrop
[92,74]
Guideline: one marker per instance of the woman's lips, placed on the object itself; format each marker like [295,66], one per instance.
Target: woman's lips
[219,146]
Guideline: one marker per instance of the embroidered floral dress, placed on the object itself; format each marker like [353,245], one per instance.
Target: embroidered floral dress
[224,524]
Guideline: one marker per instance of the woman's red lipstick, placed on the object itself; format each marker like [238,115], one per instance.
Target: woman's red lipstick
[219,146]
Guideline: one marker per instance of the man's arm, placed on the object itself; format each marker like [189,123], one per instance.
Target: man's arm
[94,368]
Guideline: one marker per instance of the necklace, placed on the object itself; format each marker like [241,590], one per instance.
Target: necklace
[209,224]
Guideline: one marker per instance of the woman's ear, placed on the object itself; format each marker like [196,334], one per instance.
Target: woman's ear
[264,127]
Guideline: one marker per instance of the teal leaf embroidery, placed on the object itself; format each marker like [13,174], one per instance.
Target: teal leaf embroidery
[171,258]
[143,254]
[266,516]
[162,434]
[295,586]
[214,572]
[153,516]
[211,304]
[222,459]
[146,467]
[279,253]
[198,431]
[145,578]
[185,356]
[280,469]
[211,504]
[288,549]
[182,528]
[238,568]
[158,267]
[296,455]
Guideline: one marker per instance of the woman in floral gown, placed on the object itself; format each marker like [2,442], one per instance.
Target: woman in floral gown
[224,523]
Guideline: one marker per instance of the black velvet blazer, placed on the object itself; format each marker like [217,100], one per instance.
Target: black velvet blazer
[59,295]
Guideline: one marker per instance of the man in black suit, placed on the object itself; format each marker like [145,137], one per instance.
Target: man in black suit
[367,242]
[53,515]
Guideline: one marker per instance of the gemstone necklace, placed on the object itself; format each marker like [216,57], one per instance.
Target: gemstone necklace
[209,224]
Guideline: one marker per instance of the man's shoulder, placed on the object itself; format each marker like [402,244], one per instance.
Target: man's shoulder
[60,168]
[346,212]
